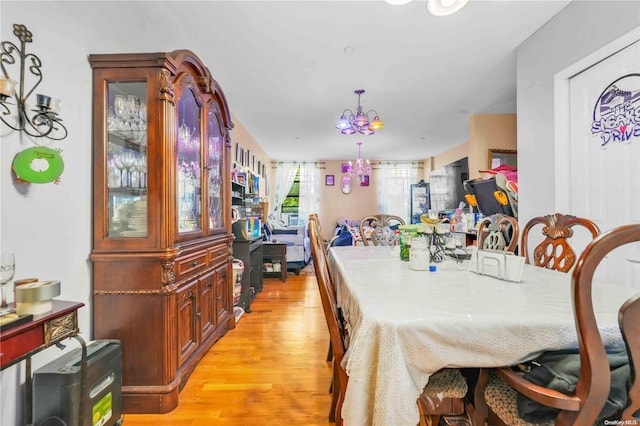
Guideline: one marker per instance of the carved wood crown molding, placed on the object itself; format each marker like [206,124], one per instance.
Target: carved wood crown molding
[187,81]
[166,88]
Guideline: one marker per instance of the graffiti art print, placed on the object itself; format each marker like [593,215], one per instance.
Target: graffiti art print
[616,115]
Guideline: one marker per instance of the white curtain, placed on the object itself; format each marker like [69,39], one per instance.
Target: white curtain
[285,175]
[394,188]
[309,198]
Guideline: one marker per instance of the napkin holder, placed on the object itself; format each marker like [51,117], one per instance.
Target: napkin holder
[35,297]
[498,264]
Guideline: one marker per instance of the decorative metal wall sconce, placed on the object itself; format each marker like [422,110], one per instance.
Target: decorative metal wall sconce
[42,120]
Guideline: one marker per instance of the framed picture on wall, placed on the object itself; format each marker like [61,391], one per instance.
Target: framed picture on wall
[364,181]
[345,167]
[329,180]
[238,154]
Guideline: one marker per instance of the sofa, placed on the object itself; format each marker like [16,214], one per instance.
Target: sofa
[298,244]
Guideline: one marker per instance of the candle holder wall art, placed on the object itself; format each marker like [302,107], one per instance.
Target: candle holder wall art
[41,119]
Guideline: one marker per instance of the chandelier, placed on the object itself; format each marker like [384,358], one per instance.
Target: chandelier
[362,167]
[360,121]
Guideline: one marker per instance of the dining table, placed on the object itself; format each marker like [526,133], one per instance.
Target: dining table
[404,325]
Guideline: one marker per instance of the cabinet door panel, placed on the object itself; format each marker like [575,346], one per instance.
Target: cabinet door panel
[206,305]
[222,296]
[188,333]
[125,162]
[189,162]
[214,151]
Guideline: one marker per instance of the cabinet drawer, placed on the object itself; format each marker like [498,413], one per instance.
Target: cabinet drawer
[191,264]
[218,254]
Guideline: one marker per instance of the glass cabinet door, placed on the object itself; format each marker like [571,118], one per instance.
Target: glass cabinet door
[126,159]
[214,169]
[189,164]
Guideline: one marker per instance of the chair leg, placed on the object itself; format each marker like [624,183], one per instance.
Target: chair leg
[334,398]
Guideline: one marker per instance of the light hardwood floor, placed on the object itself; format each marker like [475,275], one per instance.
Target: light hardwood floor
[270,370]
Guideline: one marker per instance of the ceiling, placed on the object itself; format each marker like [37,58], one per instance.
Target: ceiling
[289,68]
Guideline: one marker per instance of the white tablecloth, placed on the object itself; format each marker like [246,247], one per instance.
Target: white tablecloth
[405,325]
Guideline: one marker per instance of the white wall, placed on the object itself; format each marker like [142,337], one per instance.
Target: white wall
[580,29]
[48,226]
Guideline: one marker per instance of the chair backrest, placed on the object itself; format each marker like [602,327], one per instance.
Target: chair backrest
[630,328]
[555,252]
[337,332]
[594,382]
[498,232]
[375,229]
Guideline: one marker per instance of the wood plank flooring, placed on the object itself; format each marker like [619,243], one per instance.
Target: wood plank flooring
[270,370]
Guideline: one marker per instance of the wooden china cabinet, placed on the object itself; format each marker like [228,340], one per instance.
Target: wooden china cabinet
[162,219]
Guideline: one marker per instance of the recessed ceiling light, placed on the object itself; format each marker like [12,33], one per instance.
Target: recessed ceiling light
[445,7]
[349,50]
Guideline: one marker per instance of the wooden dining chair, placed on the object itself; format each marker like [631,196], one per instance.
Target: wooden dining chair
[444,396]
[313,217]
[629,320]
[498,232]
[497,389]
[338,337]
[555,252]
[376,229]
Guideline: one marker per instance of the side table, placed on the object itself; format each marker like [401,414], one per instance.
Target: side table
[50,328]
[275,254]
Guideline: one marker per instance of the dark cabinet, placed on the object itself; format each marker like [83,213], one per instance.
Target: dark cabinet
[250,252]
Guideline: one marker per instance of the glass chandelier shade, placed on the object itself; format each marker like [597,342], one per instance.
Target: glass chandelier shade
[350,123]
[362,167]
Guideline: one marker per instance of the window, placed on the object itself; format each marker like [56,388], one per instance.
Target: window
[394,188]
[291,203]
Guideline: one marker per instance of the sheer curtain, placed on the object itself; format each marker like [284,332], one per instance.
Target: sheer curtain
[309,198]
[285,174]
[394,188]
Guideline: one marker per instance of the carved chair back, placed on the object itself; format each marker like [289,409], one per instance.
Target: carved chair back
[498,232]
[376,229]
[555,252]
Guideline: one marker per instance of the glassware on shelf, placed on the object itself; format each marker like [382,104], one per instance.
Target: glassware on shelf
[141,167]
[7,270]
[128,159]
